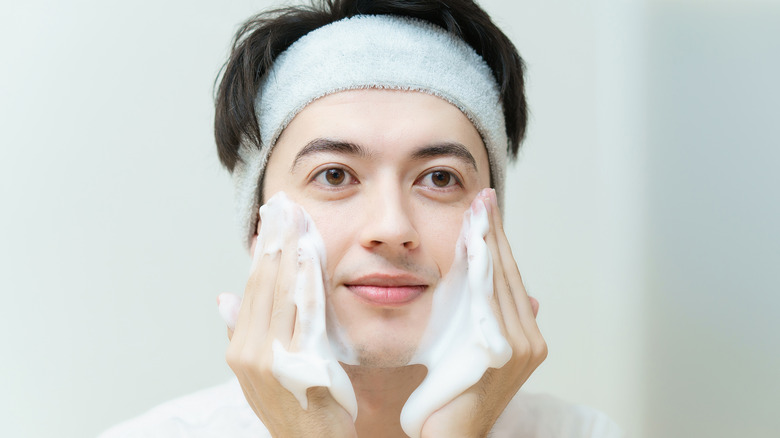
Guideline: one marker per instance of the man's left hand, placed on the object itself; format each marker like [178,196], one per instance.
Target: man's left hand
[474,412]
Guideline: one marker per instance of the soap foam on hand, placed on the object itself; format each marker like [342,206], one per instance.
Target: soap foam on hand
[463,338]
[317,346]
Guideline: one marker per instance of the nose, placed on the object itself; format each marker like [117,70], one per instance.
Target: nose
[389,223]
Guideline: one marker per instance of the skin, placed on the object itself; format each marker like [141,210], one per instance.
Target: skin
[386,176]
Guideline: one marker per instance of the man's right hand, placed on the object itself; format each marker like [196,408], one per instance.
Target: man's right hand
[268,313]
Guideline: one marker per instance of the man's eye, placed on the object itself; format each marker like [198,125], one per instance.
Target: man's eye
[333,176]
[439,179]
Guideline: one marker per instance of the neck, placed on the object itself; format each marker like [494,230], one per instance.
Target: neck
[381,394]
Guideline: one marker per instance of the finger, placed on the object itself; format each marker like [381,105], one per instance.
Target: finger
[534,305]
[246,350]
[255,311]
[500,296]
[512,272]
[501,288]
[528,345]
[533,340]
[282,322]
[254,314]
[310,304]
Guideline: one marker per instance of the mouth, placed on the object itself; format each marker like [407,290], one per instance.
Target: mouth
[387,290]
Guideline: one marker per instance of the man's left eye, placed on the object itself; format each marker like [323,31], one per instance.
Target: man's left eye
[440,179]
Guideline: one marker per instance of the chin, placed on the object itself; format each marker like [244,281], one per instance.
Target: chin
[375,355]
[381,337]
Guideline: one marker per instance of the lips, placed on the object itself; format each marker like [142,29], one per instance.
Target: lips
[387,290]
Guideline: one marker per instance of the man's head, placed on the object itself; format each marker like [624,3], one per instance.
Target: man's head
[386,174]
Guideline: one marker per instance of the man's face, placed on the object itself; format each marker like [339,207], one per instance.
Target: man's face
[386,176]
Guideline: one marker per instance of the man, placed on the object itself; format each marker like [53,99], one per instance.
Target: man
[385,121]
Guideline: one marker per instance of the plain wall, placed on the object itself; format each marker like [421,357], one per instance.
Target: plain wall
[117,226]
[642,212]
[713,209]
[120,218]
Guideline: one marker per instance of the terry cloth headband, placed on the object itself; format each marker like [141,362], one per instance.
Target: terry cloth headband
[370,51]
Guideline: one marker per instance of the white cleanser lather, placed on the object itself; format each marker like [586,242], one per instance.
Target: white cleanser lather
[462,339]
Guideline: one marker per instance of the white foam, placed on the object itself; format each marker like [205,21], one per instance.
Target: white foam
[463,338]
[229,304]
[314,354]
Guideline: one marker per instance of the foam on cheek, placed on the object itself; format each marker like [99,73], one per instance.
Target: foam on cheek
[463,338]
[312,359]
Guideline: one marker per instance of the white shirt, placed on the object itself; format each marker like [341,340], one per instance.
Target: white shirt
[222,411]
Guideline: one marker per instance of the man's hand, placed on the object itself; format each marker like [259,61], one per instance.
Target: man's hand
[473,413]
[268,314]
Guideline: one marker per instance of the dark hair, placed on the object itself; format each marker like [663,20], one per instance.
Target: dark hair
[263,37]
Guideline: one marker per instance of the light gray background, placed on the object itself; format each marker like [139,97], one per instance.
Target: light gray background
[643,212]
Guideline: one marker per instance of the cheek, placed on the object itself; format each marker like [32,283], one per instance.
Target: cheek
[337,237]
[439,237]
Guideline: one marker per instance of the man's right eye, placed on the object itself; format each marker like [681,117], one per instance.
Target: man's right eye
[334,177]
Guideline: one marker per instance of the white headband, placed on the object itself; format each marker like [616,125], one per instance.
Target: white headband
[370,51]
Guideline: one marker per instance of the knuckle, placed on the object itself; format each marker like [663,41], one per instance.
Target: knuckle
[232,356]
[231,360]
[247,360]
[540,350]
[522,349]
[257,365]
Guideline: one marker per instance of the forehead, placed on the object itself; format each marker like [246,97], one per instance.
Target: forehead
[385,122]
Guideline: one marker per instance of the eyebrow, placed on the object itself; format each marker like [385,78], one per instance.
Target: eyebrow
[320,145]
[324,145]
[448,149]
